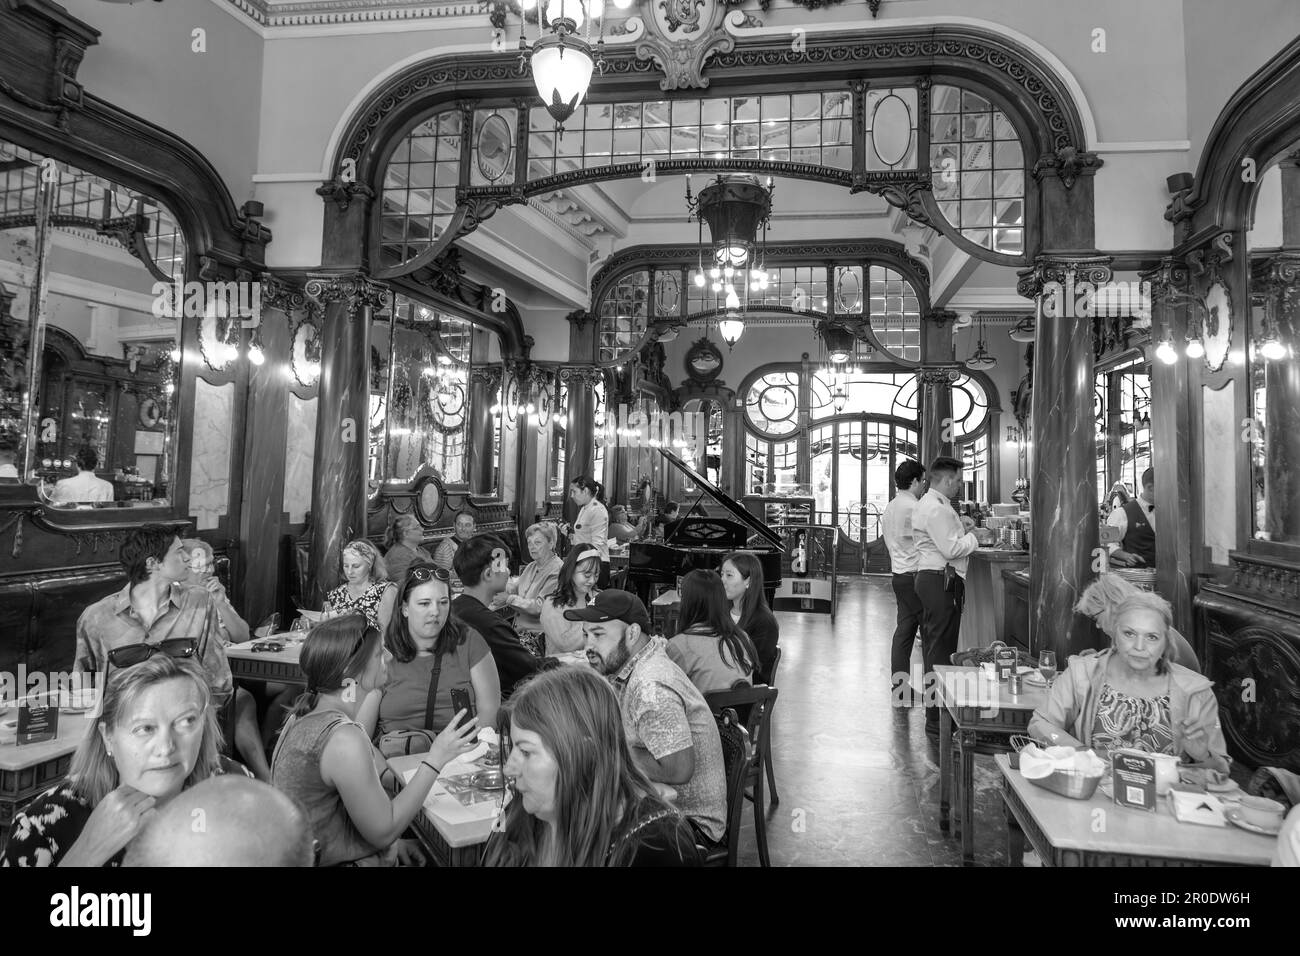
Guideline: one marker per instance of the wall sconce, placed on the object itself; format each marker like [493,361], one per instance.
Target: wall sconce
[218,340]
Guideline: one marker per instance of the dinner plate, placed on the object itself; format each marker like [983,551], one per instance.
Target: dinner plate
[1235,817]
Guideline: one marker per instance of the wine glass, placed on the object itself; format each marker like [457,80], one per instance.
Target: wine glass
[1047,666]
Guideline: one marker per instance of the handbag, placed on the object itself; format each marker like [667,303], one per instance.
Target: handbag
[399,743]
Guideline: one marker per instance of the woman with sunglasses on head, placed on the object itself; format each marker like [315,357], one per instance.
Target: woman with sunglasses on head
[156,736]
[580,799]
[326,762]
[427,643]
[575,588]
[366,588]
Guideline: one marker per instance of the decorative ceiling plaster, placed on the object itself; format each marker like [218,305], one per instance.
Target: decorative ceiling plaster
[562,207]
[273,13]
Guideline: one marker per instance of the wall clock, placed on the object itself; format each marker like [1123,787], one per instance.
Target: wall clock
[703,361]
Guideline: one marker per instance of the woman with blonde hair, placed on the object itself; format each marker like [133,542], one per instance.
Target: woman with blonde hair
[1133,694]
[403,541]
[156,736]
[536,581]
[365,589]
[579,798]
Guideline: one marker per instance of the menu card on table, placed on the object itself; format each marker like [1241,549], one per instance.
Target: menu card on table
[37,721]
[1134,779]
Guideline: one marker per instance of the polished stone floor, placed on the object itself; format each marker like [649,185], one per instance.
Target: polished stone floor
[858,779]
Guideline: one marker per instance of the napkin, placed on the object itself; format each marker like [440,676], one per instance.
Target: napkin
[1200,808]
[1039,762]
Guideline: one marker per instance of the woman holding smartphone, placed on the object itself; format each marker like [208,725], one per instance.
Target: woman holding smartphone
[425,639]
[326,762]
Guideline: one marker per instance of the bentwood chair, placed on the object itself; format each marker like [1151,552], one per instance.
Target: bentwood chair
[756,704]
[737,755]
[767,737]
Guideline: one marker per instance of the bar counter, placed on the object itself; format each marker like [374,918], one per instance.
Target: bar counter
[982,618]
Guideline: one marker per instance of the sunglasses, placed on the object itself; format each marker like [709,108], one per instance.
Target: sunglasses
[267,646]
[427,572]
[133,654]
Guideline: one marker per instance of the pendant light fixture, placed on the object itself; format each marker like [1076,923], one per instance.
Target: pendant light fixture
[1024,330]
[981,360]
[562,62]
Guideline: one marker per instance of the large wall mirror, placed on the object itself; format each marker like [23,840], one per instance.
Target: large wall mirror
[420,408]
[1273,354]
[89,417]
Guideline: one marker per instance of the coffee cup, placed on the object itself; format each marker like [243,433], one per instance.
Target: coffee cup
[1262,812]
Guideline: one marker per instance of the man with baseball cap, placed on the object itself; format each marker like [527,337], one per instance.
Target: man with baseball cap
[669,727]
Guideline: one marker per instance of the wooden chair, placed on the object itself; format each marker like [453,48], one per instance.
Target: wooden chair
[767,737]
[737,756]
[756,704]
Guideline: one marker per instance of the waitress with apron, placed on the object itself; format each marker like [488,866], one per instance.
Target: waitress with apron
[592,524]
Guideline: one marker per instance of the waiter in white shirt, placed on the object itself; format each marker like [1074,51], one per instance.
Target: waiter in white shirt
[84,487]
[942,539]
[1137,547]
[897,521]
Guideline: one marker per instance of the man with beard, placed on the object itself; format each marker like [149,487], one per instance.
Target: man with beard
[670,729]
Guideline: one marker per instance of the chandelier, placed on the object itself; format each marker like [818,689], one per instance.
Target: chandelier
[981,360]
[732,264]
[562,61]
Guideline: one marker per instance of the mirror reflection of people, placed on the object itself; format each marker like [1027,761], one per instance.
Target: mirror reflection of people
[85,487]
[1137,547]
[445,556]
[8,463]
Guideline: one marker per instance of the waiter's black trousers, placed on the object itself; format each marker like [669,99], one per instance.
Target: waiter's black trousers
[909,619]
[940,622]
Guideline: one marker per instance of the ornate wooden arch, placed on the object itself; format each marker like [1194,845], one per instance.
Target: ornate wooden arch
[1016,79]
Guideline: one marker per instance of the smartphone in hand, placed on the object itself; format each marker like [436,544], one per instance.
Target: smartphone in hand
[460,700]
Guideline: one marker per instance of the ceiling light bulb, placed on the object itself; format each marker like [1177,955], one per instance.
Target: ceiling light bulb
[699,279]
[715,273]
[1273,349]
[256,355]
[1195,349]
[1166,353]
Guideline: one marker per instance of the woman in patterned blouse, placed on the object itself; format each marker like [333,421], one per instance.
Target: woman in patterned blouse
[156,737]
[366,589]
[1133,695]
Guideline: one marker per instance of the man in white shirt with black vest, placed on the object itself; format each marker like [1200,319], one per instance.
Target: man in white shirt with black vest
[942,539]
[897,524]
[1137,546]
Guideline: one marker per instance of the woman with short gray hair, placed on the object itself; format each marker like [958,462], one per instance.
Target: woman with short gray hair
[536,580]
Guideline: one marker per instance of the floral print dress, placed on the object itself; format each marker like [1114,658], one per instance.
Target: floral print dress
[368,604]
[1135,723]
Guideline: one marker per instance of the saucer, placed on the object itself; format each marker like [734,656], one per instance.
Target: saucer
[1235,816]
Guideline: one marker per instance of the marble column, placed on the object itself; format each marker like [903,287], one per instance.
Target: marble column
[483,384]
[339,490]
[1063,499]
[1173,452]
[266,433]
[580,430]
[936,386]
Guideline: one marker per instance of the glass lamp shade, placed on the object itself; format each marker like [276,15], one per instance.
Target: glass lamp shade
[731,328]
[1166,353]
[733,300]
[1195,349]
[839,356]
[566,10]
[731,254]
[1023,331]
[562,73]
[1272,349]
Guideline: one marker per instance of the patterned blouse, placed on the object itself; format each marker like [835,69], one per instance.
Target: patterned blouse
[1141,723]
[46,828]
[368,604]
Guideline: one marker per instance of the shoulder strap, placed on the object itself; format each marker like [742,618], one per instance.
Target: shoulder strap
[433,691]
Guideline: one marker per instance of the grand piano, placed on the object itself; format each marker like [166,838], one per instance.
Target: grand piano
[702,542]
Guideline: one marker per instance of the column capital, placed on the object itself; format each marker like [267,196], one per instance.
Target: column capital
[939,376]
[282,294]
[940,318]
[1063,270]
[580,317]
[341,192]
[488,376]
[355,288]
[581,375]
[1067,164]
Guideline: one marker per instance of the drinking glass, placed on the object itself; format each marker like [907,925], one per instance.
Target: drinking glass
[300,626]
[1047,666]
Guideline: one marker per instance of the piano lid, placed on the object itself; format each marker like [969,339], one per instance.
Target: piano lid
[733,507]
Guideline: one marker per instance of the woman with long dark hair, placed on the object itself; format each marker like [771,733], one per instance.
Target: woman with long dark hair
[580,799]
[742,579]
[591,527]
[709,647]
[326,762]
[425,637]
[576,588]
